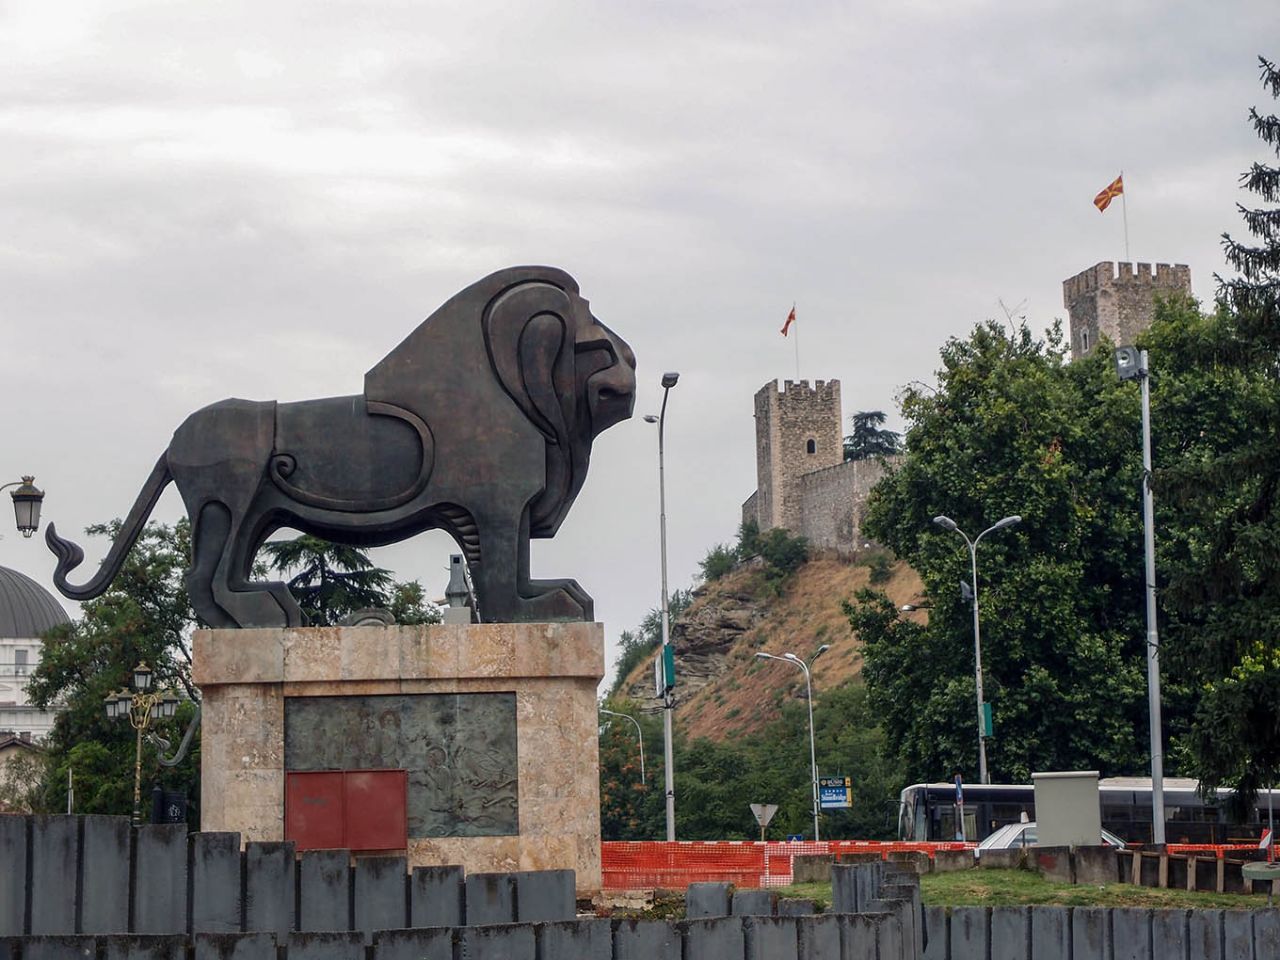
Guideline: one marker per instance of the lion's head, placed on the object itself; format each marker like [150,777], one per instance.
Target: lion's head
[571,375]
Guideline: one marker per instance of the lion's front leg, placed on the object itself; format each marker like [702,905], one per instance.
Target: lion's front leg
[504,590]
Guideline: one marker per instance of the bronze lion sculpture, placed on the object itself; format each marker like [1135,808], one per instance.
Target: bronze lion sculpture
[479,423]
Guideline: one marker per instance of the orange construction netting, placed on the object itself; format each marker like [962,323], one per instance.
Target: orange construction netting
[648,864]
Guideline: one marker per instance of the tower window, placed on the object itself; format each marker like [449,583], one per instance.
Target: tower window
[1084,341]
[811,447]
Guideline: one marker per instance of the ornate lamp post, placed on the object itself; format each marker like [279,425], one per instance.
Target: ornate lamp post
[26,504]
[141,706]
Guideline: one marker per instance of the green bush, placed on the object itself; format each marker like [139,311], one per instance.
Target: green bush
[719,561]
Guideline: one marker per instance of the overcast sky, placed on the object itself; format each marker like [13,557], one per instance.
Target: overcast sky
[261,199]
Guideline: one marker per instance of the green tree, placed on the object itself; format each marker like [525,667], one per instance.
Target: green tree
[143,616]
[869,438]
[636,645]
[330,581]
[1218,378]
[631,807]
[1013,428]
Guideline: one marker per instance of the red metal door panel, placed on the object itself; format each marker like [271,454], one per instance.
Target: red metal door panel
[376,815]
[313,810]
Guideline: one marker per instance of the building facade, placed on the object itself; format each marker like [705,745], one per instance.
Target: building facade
[27,611]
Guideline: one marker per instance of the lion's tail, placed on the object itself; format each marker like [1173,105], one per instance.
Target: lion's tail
[70,555]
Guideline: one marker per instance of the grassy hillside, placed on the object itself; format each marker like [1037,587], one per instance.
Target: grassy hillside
[723,691]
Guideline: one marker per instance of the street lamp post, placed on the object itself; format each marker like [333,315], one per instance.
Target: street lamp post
[140,706]
[26,504]
[948,524]
[668,682]
[1132,364]
[639,736]
[813,756]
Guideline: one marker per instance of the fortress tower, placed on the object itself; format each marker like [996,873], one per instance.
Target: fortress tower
[1118,303]
[797,432]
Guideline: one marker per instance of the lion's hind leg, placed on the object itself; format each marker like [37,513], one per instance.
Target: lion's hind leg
[245,603]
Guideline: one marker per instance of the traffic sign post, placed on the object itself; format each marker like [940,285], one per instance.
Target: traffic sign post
[763,812]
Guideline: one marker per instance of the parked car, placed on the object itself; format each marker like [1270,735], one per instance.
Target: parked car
[1015,835]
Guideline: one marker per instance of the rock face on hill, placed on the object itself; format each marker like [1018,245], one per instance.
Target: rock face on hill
[722,690]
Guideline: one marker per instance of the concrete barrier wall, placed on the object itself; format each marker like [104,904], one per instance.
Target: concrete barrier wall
[90,875]
[1098,933]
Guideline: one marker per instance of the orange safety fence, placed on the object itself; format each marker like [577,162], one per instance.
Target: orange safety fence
[650,864]
[1218,850]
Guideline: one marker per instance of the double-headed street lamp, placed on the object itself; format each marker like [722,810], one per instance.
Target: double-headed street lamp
[813,756]
[26,504]
[946,523]
[667,654]
[639,735]
[140,706]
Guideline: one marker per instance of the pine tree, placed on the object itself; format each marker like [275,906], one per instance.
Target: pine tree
[1223,590]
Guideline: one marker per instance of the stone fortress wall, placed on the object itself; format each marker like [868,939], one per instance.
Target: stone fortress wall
[1118,300]
[802,482]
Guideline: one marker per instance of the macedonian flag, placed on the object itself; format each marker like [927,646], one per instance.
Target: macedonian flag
[1113,190]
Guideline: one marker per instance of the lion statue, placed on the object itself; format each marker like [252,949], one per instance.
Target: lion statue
[480,423]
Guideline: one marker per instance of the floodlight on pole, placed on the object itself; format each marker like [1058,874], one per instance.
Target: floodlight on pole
[1133,364]
[946,523]
[666,654]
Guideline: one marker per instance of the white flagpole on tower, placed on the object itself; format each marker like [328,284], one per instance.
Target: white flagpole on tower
[797,326]
[1124,209]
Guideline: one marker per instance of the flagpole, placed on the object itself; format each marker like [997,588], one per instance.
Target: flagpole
[1124,209]
[797,326]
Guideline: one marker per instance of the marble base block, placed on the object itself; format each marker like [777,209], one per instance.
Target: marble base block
[552,669]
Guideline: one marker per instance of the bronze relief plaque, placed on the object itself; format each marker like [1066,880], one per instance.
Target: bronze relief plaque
[459,751]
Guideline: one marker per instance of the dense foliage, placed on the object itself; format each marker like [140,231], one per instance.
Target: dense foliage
[331,581]
[1013,428]
[717,782]
[1224,483]
[780,552]
[869,438]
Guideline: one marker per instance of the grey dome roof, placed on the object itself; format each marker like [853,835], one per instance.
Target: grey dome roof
[26,608]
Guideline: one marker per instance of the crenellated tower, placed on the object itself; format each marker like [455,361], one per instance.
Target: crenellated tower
[797,432]
[1118,300]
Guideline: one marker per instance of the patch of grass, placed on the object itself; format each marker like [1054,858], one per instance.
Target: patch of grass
[998,888]
[819,893]
[1016,888]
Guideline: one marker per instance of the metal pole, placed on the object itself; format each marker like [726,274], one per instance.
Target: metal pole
[668,698]
[813,757]
[977,662]
[137,777]
[1153,639]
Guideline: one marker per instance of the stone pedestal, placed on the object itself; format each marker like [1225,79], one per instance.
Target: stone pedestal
[545,674]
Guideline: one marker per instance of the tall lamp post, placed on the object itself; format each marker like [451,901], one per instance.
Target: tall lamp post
[140,706]
[26,504]
[813,756]
[946,523]
[1132,364]
[668,655]
[639,735]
